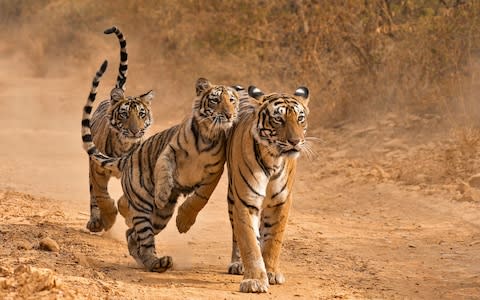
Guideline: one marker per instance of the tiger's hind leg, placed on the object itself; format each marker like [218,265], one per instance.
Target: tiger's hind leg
[141,245]
[133,248]
[103,211]
[236,266]
[152,264]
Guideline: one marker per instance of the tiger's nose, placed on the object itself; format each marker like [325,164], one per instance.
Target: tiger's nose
[134,129]
[294,141]
[228,115]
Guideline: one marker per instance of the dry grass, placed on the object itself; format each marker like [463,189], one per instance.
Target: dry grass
[454,158]
[356,56]
[462,158]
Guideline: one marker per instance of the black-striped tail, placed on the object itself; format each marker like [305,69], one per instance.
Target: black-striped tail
[122,68]
[87,111]
[109,163]
[244,98]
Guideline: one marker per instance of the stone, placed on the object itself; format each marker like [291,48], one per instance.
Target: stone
[28,280]
[49,244]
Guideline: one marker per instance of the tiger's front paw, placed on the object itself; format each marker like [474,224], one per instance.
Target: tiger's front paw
[103,217]
[275,278]
[94,224]
[108,218]
[101,220]
[236,268]
[185,219]
[254,286]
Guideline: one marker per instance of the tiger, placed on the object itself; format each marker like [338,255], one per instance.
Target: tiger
[118,124]
[186,159]
[262,155]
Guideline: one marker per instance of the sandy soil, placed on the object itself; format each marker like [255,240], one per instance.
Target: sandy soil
[381,211]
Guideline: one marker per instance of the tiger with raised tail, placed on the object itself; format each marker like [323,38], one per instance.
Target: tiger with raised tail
[261,160]
[186,159]
[118,124]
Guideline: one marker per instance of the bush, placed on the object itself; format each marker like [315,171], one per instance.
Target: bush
[356,56]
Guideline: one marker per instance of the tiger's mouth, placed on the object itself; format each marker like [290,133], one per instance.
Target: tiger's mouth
[293,152]
[226,124]
[133,136]
[223,122]
[287,149]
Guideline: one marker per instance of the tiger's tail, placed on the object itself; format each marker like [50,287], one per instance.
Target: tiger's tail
[123,66]
[109,163]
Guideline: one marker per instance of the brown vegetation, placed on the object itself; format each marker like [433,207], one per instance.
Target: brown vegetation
[356,56]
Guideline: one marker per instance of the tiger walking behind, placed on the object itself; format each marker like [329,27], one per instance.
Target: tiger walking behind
[186,159]
[118,125]
[261,160]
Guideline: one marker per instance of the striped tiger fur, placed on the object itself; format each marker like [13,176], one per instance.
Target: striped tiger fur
[261,160]
[186,159]
[118,124]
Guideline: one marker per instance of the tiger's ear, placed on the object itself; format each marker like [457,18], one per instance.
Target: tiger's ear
[255,92]
[238,88]
[117,94]
[303,93]
[148,97]
[202,85]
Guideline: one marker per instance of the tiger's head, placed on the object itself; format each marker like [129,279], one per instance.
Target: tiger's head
[281,120]
[216,106]
[130,115]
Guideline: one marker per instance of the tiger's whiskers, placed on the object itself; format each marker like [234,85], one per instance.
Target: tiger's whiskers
[307,149]
[314,139]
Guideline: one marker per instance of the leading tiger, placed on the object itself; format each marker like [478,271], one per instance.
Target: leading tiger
[118,124]
[186,159]
[262,156]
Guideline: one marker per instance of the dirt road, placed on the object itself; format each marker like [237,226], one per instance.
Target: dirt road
[378,212]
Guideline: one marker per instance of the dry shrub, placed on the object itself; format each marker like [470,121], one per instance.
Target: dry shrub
[356,56]
[462,158]
[447,161]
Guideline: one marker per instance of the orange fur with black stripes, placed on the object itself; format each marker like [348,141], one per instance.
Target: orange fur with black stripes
[118,124]
[261,158]
[186,159]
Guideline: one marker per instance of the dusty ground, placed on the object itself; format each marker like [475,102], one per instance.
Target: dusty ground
[380,211]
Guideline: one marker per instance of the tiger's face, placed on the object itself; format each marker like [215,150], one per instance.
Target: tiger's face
[281,121]
[130,115]
[216,105]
